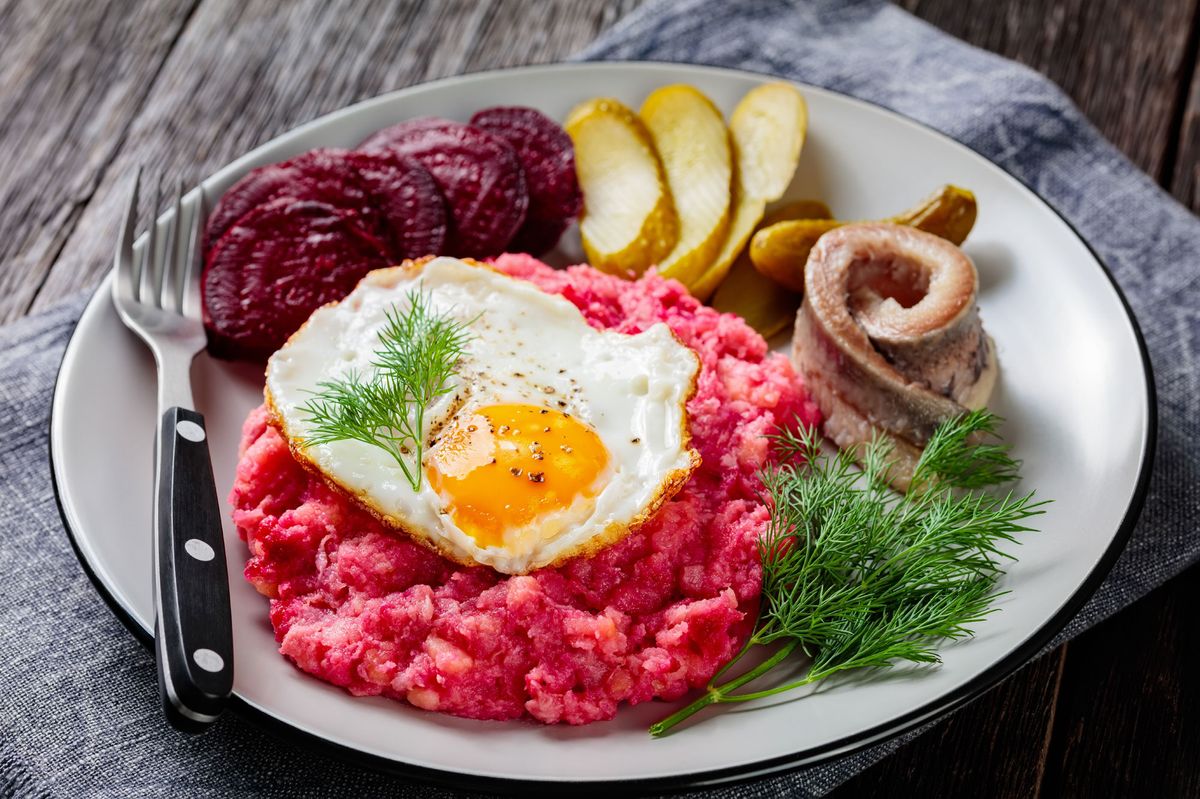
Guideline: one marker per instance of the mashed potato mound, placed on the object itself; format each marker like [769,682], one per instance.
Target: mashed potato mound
[654,615]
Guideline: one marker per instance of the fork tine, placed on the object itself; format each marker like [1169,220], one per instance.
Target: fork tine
[172,259]
[151,288]
[125,285]
[166,251]
[191,276]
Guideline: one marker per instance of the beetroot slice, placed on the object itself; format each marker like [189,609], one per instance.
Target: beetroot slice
[276,266]
[408,197]
[546,155]
[537,236]
[384,139]
[322,175]
[478,174]
[259,186]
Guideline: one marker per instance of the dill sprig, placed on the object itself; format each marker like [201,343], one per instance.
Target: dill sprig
[417,355]
[856,576]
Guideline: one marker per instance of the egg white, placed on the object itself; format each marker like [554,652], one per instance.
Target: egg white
[526,347]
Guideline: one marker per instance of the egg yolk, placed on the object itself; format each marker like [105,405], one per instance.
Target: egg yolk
[504,466]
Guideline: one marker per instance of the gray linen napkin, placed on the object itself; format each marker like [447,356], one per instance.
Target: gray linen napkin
[78,706]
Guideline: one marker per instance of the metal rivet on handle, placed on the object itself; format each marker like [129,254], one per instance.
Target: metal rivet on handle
[208,660]
[198,549]
[190,430]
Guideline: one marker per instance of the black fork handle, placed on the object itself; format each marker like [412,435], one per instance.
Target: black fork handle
[193,630]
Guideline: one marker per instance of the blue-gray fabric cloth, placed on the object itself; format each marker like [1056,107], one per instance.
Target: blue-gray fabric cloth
[78,706]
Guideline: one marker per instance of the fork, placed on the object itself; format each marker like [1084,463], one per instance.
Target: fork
[157,296]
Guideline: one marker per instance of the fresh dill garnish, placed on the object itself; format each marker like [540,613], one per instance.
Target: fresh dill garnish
[418,352]
[856,576]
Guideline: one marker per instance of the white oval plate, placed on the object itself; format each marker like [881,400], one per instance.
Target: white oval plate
[1075,388]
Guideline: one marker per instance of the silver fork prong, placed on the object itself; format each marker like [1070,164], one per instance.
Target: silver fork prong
[142,265]
[162,264]
[173,262]
[195,260]
[151,289]
[126,285]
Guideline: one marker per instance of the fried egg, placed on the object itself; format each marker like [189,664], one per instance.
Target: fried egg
[554,440]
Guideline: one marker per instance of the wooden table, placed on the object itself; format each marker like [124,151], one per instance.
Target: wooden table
[89,89]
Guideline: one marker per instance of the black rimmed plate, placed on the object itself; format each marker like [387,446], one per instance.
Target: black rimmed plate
[1075,387]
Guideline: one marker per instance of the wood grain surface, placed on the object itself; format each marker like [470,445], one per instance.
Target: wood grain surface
[1185,178]
[60,129]
[88,90]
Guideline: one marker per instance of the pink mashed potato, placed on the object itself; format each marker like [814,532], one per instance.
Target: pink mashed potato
[651,616]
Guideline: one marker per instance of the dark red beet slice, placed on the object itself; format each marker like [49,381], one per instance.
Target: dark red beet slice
[479,176]
[384,139]
[259,186]
[546,155]
[537,236]
[408,197]
[322,175]
[276,266]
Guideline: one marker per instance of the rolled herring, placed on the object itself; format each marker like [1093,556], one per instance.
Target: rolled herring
[889,338]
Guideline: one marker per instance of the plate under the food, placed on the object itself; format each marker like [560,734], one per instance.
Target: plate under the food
[1075,387]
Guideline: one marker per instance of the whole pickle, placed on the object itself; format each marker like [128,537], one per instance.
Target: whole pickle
[780,251]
